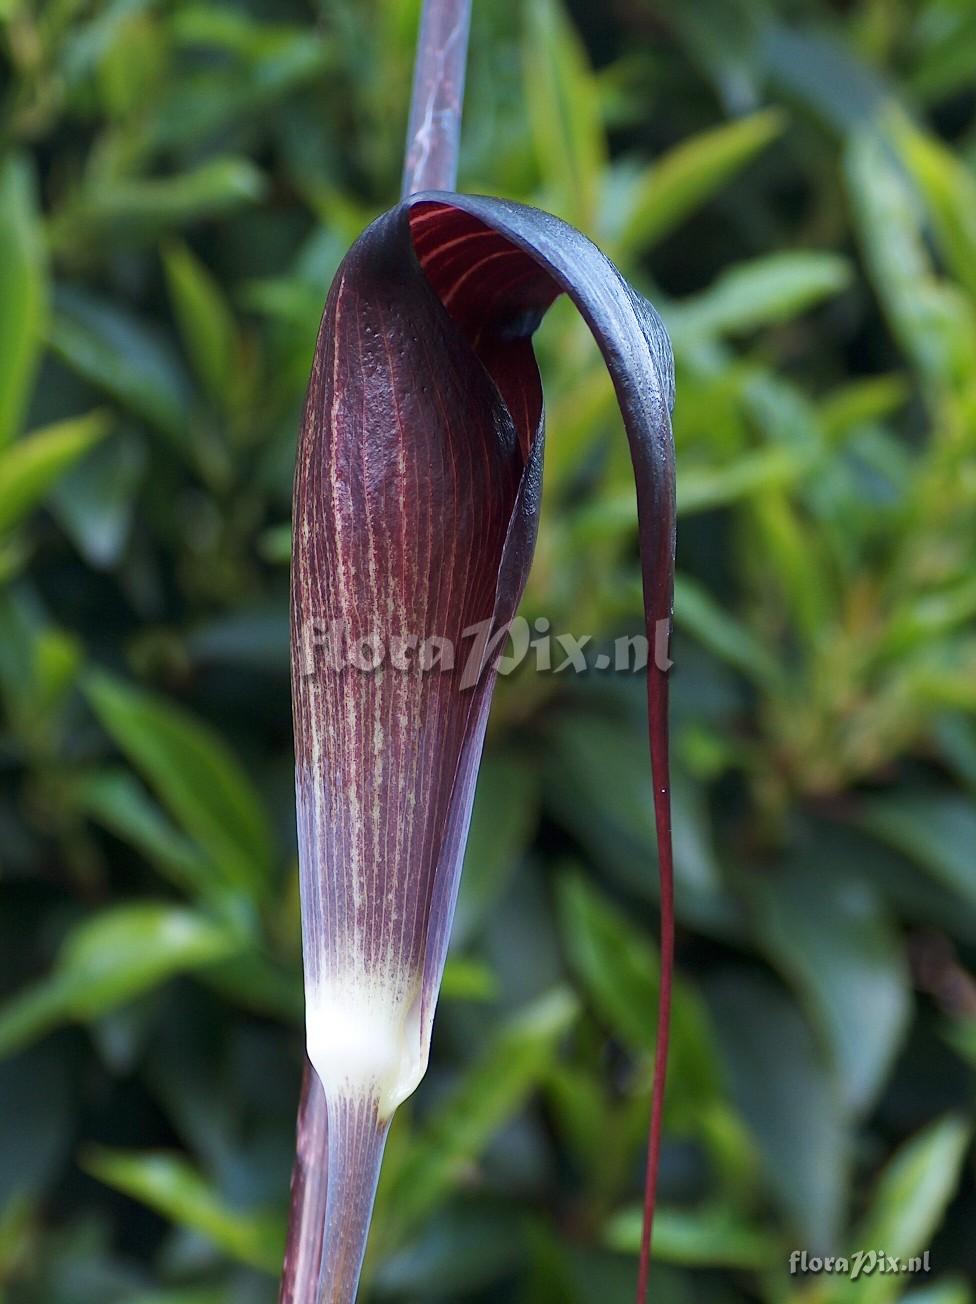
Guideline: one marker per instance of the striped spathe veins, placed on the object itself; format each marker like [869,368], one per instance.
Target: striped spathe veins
[408,472]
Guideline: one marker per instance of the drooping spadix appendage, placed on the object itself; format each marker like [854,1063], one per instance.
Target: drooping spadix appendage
[416,504]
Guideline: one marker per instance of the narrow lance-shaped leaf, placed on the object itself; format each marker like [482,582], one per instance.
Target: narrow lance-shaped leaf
[416,505]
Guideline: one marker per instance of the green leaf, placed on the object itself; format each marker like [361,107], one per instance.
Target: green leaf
[929,617]
[39,667]
[14,552]
[791,561]
[146,206]
[274,544]
[246,68]
[949,190]
[514,1062]
[110,959]
[721,39]
[468,980]
[172,1186]
[554,1277]
[18,1215]
[597,787]
[787,1098]
[506,810]
[824,74]
[120,804]
[932,320]
[936,830]
[697,612]
[947,1290]
[466,1248]
[29,467]
[205,320]
[830,937]
[34,1013]
[861,402]
[57,658]
[196,778]
[234,32]
[578,1100]
[120,354]
[703,488]
[130,949]
[689,174]
[96,501]
[255,982]
[564,111]
[763,292]
[907,1207]
[712,1236]
[956,738]
[617,967]
[212,1294]
[22,292]
[38,1120]
[946,55]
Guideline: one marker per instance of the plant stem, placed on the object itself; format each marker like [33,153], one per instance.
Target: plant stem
[357,1137]
[309,1183]
[434,130]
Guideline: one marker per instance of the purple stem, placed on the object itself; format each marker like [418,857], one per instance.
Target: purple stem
[357,1137]
[309,1186]
[434,131]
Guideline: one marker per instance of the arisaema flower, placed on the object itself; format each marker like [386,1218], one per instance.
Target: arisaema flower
[417,499]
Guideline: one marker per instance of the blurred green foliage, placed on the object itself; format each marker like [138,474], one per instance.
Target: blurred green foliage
[793,183]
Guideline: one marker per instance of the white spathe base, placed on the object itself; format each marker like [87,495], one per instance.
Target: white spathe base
[363,1038]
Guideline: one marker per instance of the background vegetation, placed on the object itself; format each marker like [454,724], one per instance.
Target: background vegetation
[793,183]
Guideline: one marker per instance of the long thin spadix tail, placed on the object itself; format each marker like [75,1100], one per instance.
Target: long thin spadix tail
[657,702]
